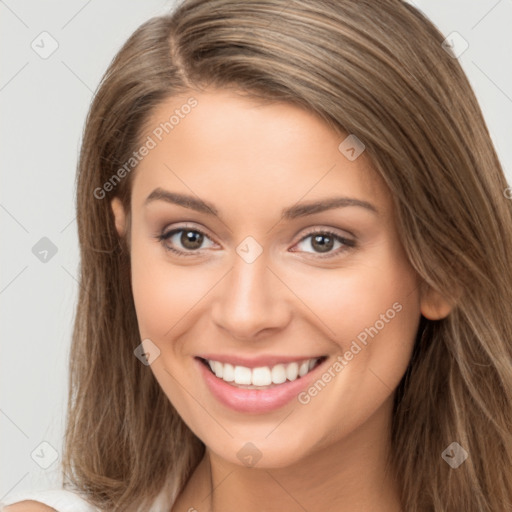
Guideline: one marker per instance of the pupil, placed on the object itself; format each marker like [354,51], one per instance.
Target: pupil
[322,247]
[191,239]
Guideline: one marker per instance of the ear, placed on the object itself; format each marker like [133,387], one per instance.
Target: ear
[119,216]
[433,305]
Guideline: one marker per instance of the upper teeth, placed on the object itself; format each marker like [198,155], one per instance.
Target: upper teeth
[263,375]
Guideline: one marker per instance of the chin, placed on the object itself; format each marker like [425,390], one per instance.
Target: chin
[271,453]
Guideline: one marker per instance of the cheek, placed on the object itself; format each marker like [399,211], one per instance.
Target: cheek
[371,314]
[163,293]
[347,302]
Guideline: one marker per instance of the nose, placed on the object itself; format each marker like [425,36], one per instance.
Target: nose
[251,299]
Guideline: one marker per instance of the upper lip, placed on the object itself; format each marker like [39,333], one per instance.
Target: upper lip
[255,362]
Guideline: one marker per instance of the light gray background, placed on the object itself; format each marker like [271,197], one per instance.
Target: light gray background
[43,107]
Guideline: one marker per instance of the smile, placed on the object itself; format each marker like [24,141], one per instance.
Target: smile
[258,389]
[261,377]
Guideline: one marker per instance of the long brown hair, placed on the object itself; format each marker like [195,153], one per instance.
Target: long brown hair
[374,69]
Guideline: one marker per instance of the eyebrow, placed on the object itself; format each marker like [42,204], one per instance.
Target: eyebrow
[290,213]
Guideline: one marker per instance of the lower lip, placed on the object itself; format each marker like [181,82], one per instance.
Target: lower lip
[255,400]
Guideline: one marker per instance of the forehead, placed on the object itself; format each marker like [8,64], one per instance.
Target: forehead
[238,148]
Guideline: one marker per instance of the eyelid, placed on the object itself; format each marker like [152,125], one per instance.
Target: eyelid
[326,229]
[183,227]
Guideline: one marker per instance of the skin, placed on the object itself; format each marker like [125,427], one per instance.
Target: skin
[251,160]
[28,506]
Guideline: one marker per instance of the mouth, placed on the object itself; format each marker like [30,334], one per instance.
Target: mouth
[261,377]
[260,389]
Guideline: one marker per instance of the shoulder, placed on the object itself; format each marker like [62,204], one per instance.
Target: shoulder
[53,500]
[28,506]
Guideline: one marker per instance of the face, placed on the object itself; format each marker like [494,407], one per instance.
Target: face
[282,263]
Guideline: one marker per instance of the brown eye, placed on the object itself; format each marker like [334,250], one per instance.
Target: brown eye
[323,242]
[191,239]
[184,241]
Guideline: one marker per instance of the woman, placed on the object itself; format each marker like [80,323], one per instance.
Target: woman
[295,288]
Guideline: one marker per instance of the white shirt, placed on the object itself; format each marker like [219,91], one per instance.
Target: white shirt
[59,499]
[68,501]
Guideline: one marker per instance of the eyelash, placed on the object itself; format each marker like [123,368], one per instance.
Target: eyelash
[348,244]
